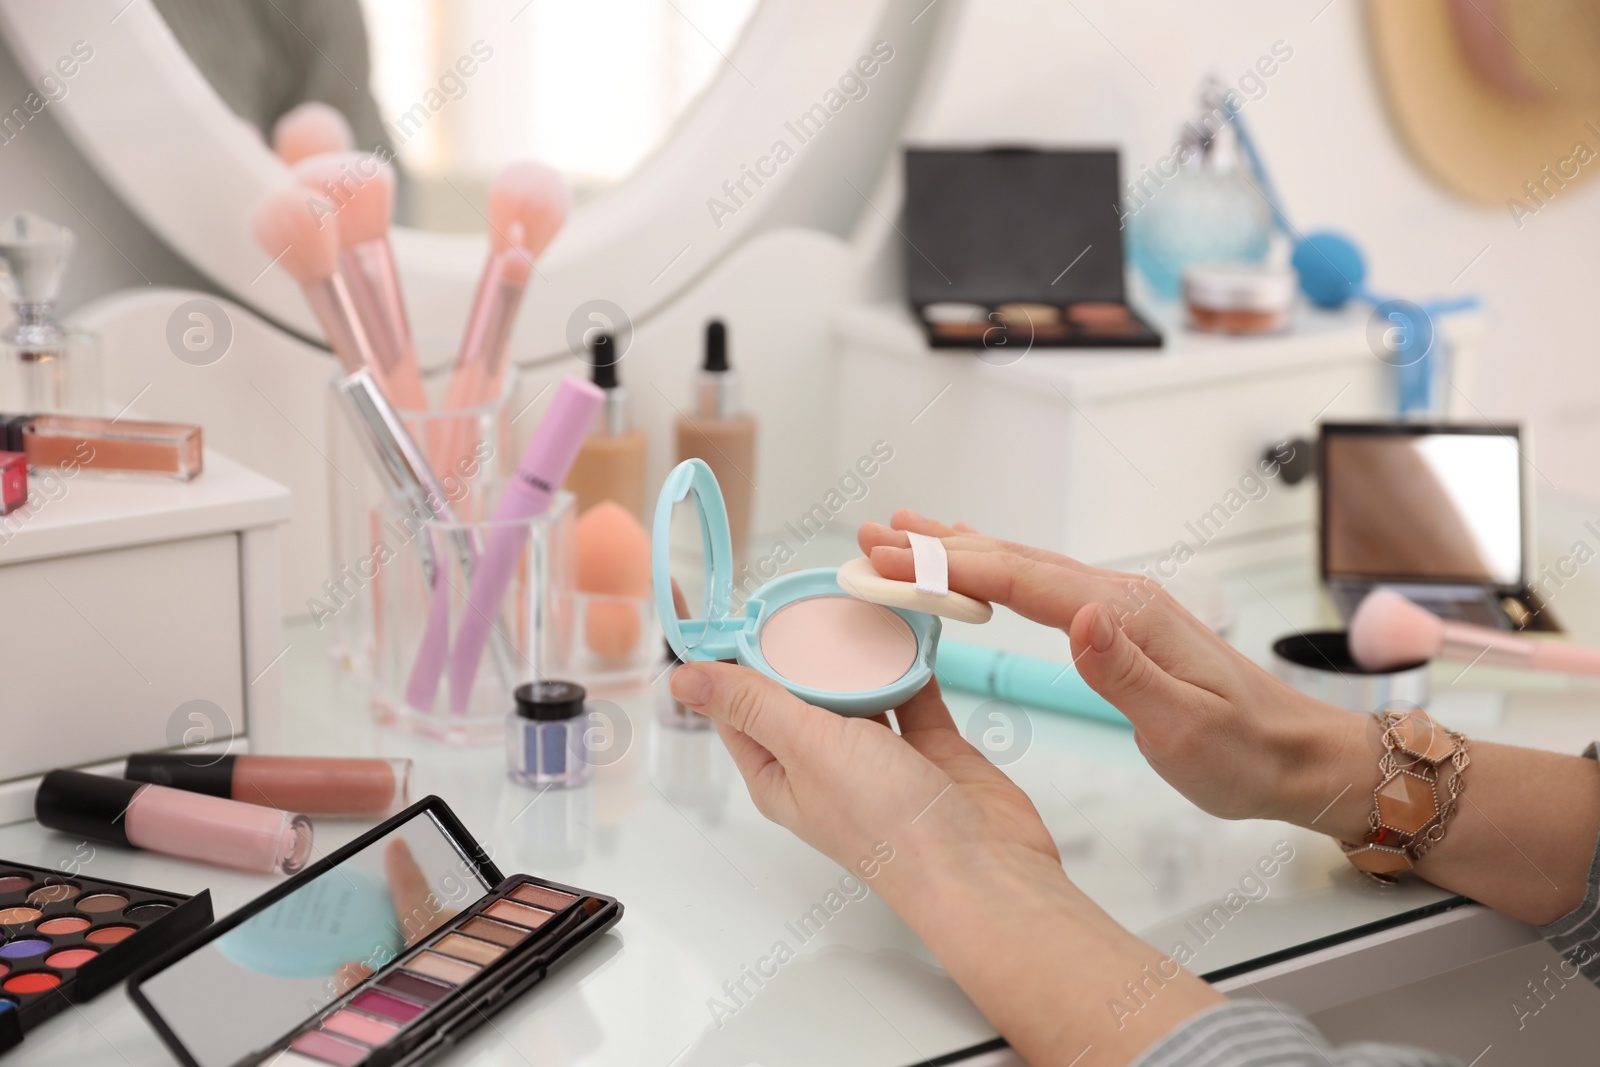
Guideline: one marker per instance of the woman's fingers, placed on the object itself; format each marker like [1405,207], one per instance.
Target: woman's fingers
[925,711]
[1036,590]
[1117,669]
[960,536]
[754,705]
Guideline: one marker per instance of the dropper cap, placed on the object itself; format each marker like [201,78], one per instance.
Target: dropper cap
[614,417]
[33,258]
[716,347]
[717,394]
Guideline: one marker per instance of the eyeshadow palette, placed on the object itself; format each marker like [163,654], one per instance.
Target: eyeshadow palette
[65,939]
[1014,248]
[384,953]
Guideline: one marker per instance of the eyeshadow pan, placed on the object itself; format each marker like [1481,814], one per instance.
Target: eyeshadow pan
[4,970]
[416,987]
[14,883]
[71,958]
[330,1049]
[63,924]
[442,967]
[96,903]
[361,1027]
[469,948]
[377,1002]
[553,899]
[147,911]
[110,935]
[33,982]
[24,947]
[292,1059]
[18,916]
[54,893]
[521,914]
[489,930]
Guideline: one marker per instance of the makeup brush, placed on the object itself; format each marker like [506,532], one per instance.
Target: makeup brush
[310,129]
[297,228]
[1389,631]
[528,204]
[362,189]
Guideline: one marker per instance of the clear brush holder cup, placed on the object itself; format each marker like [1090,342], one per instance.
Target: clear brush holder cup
[471,452]
[448,656]
[611,645]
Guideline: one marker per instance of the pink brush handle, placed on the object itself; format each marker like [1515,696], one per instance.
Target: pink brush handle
[375,285]
[1463,641]
[332,304]
[544,466]
[481,365]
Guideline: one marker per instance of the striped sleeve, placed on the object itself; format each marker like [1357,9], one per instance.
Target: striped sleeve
[1576,935]
[1257,1033]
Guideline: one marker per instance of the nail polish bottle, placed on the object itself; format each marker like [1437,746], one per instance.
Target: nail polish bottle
[544,735]
[44,366]
[610,466]
[13,481]
[722,435]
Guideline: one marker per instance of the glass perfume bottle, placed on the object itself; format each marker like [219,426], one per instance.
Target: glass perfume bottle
[1197,205]
[45,367]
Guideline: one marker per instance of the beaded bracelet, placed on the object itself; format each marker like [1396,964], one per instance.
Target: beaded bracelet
[1414,799]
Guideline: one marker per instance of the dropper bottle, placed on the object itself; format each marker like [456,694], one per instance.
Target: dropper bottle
[722,434]
[611,463]
[45,367]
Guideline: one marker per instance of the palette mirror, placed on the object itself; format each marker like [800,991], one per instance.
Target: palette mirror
[260,980]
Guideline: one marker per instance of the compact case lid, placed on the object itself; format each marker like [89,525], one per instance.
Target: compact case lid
[1002,225]
[713,636]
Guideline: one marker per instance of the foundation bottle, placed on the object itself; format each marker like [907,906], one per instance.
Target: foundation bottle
[611,463]
[722,434]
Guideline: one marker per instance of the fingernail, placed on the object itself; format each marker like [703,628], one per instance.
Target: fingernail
[917,515]
[1102,629]
[691,686]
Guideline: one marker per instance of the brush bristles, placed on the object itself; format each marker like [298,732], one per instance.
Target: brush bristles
[359,186]
[1389,631]
[530,194]
[298,229]
[311,129]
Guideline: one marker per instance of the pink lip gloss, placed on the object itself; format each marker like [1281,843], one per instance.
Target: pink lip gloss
[191,825]
[542,469]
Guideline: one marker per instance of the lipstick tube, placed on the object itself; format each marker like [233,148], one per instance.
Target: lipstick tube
[313,784]
[540,472]
[194,826]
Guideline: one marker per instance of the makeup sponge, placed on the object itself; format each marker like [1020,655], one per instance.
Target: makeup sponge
[613,561]
[1389,631]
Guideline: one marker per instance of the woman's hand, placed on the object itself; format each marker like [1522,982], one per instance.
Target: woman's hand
[1236,741]
[851,786]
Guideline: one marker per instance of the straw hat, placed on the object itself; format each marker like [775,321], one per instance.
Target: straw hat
[1498,99]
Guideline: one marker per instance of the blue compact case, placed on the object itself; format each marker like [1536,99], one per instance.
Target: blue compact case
[723,635]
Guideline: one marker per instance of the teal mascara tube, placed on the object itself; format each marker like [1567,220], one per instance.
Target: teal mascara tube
[1037,683]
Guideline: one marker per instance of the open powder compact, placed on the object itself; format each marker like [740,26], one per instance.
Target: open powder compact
[841,638]
[386,952]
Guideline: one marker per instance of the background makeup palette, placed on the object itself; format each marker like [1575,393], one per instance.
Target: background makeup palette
[1018,248]
[65,939]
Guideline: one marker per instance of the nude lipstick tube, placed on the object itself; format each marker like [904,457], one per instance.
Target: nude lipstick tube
[169,449]
[191,825]
[311,784]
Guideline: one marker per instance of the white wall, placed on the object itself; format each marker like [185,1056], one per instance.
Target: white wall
[1126,72]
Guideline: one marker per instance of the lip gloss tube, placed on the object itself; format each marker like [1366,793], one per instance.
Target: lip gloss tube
[313,784]
[170,449]
[191,825]
[543,467]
